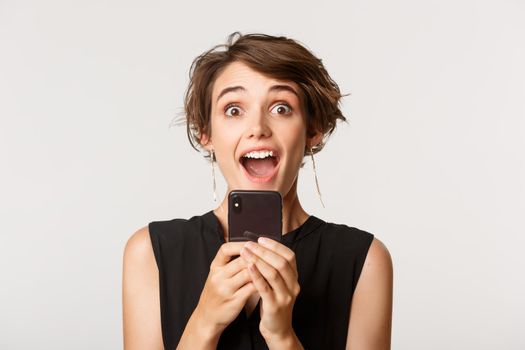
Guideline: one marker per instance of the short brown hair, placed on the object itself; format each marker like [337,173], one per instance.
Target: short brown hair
[277,57]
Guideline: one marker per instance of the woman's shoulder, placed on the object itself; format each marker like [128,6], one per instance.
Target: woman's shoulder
[138,245]
[176,225]
[343,232]
[140,242]
[144,245]
[352,240]
[377,258]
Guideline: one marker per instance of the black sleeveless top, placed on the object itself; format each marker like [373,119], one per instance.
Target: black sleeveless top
[329,261]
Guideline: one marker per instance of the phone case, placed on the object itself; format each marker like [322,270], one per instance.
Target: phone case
[254,213]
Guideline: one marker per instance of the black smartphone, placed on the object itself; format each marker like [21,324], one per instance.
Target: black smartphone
[254,213]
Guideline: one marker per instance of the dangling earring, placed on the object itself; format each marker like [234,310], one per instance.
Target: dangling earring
[212,156]
[315,175]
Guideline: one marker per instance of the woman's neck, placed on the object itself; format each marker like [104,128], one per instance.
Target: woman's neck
[293,213]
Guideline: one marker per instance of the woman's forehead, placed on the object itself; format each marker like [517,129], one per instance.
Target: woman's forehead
[239,77]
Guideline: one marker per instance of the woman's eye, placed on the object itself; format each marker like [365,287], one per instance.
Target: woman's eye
[233,111]
[281,108]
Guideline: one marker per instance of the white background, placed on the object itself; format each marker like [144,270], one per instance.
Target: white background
[431,161]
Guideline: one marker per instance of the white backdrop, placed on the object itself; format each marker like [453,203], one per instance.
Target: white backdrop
[431,162]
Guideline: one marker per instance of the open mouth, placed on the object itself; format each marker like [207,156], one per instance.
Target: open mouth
[260,166]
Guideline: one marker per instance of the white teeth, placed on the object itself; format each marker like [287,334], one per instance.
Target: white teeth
[259,154]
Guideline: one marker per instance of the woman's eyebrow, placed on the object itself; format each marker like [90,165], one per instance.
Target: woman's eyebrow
[230,89]
[278,88]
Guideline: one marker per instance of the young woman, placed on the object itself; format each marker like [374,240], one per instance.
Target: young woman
[257,106]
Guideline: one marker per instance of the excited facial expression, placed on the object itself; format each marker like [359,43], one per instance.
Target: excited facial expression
[255,113]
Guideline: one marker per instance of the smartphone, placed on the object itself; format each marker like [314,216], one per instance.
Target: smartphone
[254,213]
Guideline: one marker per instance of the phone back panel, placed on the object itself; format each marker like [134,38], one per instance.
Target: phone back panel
[259,212]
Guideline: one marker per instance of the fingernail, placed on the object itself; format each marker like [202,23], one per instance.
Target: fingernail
[263,240]
[250,245]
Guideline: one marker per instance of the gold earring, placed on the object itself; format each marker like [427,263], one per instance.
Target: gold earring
[315,175]
[212,156]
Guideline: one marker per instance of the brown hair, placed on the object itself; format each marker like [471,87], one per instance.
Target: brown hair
[277,57]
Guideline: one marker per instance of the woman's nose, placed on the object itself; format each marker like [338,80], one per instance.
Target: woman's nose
[258,126]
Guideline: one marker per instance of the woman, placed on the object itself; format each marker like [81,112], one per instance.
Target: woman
[324,286]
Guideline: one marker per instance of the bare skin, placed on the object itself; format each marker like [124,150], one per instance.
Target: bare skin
[255,114]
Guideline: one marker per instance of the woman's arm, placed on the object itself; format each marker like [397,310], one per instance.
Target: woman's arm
[370,323]
[224,295]
[140,294]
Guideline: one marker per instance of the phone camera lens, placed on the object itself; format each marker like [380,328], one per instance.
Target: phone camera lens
[237,204]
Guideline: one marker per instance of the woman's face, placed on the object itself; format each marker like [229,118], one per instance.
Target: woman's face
[251,111]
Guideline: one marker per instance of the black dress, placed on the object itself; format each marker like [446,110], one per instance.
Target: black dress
[329,261]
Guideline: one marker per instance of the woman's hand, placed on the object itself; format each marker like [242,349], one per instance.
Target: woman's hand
[273,271]
[226,290]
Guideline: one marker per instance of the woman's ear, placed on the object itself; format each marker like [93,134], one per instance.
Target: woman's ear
[314,140]
[205,141]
